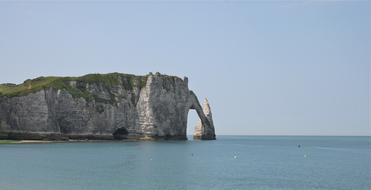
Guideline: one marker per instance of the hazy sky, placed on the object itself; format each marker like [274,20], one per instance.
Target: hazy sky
[272,68]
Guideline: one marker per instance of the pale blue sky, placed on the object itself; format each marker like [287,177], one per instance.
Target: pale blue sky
[271,68]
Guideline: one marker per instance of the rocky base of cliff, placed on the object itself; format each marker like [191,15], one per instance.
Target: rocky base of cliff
[204,137]
[78,137]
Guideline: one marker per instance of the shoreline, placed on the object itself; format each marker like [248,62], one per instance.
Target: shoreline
[24,142]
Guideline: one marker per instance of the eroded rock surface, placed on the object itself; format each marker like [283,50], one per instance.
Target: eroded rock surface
[111,106]
[205,131]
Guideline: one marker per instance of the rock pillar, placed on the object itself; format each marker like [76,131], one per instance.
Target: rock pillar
[205,130]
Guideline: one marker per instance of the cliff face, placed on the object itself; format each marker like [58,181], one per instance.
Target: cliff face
[111,106]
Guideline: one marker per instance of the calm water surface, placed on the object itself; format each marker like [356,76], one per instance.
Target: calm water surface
[231,162]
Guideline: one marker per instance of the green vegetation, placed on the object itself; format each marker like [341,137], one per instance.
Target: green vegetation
[76,86]
[8,142]
[26,87]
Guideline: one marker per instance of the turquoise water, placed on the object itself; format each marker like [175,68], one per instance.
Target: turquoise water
[231,162]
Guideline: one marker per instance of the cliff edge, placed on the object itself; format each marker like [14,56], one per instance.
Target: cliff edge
[101,106]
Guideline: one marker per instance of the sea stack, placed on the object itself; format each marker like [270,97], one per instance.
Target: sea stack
[101,106]
[202,131]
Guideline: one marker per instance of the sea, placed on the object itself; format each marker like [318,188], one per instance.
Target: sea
[228,163]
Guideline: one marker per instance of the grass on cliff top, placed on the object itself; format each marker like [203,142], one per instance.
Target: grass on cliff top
[108,80]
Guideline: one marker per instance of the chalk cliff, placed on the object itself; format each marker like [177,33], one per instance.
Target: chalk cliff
[101,106]
[207,131]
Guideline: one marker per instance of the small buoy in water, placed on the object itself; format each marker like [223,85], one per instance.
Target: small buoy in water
[192,154]
[305,155]
[299,145]
[235,157]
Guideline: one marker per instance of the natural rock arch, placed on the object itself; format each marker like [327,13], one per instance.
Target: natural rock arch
[204,130]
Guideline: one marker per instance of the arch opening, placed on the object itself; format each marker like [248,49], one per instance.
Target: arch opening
[192,119]
[120,133]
